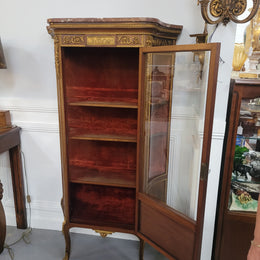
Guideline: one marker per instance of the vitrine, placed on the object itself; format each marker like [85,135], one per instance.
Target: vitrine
[240,183]
[116,110]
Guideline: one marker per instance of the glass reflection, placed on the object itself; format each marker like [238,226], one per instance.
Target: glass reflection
[176,86]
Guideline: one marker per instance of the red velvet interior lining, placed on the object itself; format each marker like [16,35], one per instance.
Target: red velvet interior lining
[101,74]
[102,206]
[99,120]
[106,155]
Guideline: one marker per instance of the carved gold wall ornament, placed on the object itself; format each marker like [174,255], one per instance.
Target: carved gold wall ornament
[226,10]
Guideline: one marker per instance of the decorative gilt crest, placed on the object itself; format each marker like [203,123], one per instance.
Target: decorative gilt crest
[226,10]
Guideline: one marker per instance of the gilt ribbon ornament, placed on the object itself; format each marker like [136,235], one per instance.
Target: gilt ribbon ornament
[226,10]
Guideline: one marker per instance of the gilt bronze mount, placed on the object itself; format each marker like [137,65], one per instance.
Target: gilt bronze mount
[226,10]
[103,233]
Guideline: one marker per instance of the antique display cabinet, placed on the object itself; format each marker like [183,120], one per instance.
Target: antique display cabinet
[240,172]
[135,130]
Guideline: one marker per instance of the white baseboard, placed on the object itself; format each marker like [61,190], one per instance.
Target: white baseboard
[40,214]
[48,215]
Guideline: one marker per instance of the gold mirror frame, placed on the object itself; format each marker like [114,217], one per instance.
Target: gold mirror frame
[226,10]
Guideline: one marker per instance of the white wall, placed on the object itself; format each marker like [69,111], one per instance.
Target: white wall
[28,90]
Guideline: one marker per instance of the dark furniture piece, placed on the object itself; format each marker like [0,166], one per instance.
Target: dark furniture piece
[115,111]
[10,141]
[2,221]
[239,187]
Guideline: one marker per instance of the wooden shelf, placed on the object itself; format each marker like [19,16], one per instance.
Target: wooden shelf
[113,104]
[108,138]
[83,175]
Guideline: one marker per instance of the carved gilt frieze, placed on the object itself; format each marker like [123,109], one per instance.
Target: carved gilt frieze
[101,40]
[163,42]
[73,40]
[129,40]
[153,41]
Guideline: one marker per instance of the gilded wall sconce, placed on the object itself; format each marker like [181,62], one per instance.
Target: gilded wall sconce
[226,10]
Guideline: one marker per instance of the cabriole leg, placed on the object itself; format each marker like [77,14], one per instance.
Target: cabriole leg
[65,230]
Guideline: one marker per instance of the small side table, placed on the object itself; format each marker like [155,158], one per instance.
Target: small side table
[10,141]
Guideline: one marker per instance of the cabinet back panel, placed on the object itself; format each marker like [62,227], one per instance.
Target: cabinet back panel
[101,74]
[102,206]
[82,120]
[117,155]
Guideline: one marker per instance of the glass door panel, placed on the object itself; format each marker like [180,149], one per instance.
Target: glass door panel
[178,91]
[175,119]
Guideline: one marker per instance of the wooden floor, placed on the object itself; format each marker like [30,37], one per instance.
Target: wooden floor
[49,245]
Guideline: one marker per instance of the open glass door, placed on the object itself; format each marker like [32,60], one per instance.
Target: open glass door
[178,85]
